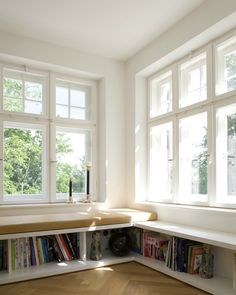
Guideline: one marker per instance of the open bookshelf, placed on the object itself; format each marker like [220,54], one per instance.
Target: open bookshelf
[220,284]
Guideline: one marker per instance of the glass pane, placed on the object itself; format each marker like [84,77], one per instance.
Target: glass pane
[13,104]
[33,107]
[12,88]
[226,66]
[193,158]
[226,154]
[62,111]
[231,151]
[72,153]
[77,98]
[161,95]
[33,91]
[77,113]
[161,162]
[62,94]
[193,81]
[22,162]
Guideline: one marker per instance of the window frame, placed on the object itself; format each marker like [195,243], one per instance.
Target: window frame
[210,105]
[49,121]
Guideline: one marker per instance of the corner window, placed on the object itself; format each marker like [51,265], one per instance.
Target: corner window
[191,150]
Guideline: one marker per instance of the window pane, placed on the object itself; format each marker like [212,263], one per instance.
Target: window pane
[62,95]
[226,154]
[73,150]
[77,98]
[33,91]
[13,104]
[161,162]
[226,66]
[193,81]
[12,95]
[62,111]
[77,113]
[33,107]
[23,148]
[193,158]
[161,95]
[19,87]
[12,88]
[73,100]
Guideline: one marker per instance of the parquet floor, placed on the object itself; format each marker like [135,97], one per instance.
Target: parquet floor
[123,279]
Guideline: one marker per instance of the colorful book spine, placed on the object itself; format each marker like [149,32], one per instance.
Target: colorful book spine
[36,250]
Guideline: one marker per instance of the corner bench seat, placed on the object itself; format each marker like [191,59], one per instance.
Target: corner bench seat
[58,221]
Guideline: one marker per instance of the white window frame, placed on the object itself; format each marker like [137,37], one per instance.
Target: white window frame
[162,121]
[49,121]
[24,123]
[191,67]
[218,76]
[210,105]
[31,72]
[162,77]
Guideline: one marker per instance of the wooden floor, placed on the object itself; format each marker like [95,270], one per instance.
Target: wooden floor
[123,279]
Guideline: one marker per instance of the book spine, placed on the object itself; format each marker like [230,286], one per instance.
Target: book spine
[27,245]
[32,252]
[234,271]
[1,255]
[61,247]
[44,250]
[56,251]
[36,250]
[40,251]
[5,251]
[65,247]
[13,253]
[70,246]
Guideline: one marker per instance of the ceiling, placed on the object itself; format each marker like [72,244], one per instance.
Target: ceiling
[110,28]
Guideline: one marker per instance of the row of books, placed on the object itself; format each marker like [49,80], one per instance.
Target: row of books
[155,245]
[39,250]
[179,254]
[3,255]
[184,255]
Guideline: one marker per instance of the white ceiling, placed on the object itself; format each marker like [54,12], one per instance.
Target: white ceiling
[110,28]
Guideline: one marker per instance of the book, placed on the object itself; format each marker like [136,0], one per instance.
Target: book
[36,250]
[1,254]
[234,271]
[196,259]
[13,253]
[40,251]
[32,252]
[69,244]
[61,247]
[180,253]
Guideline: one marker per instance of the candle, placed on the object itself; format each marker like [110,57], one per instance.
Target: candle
[70,188]
[88,177]
[88,181]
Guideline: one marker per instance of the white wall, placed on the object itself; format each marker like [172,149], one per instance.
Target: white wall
[110,73]
[208,21]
